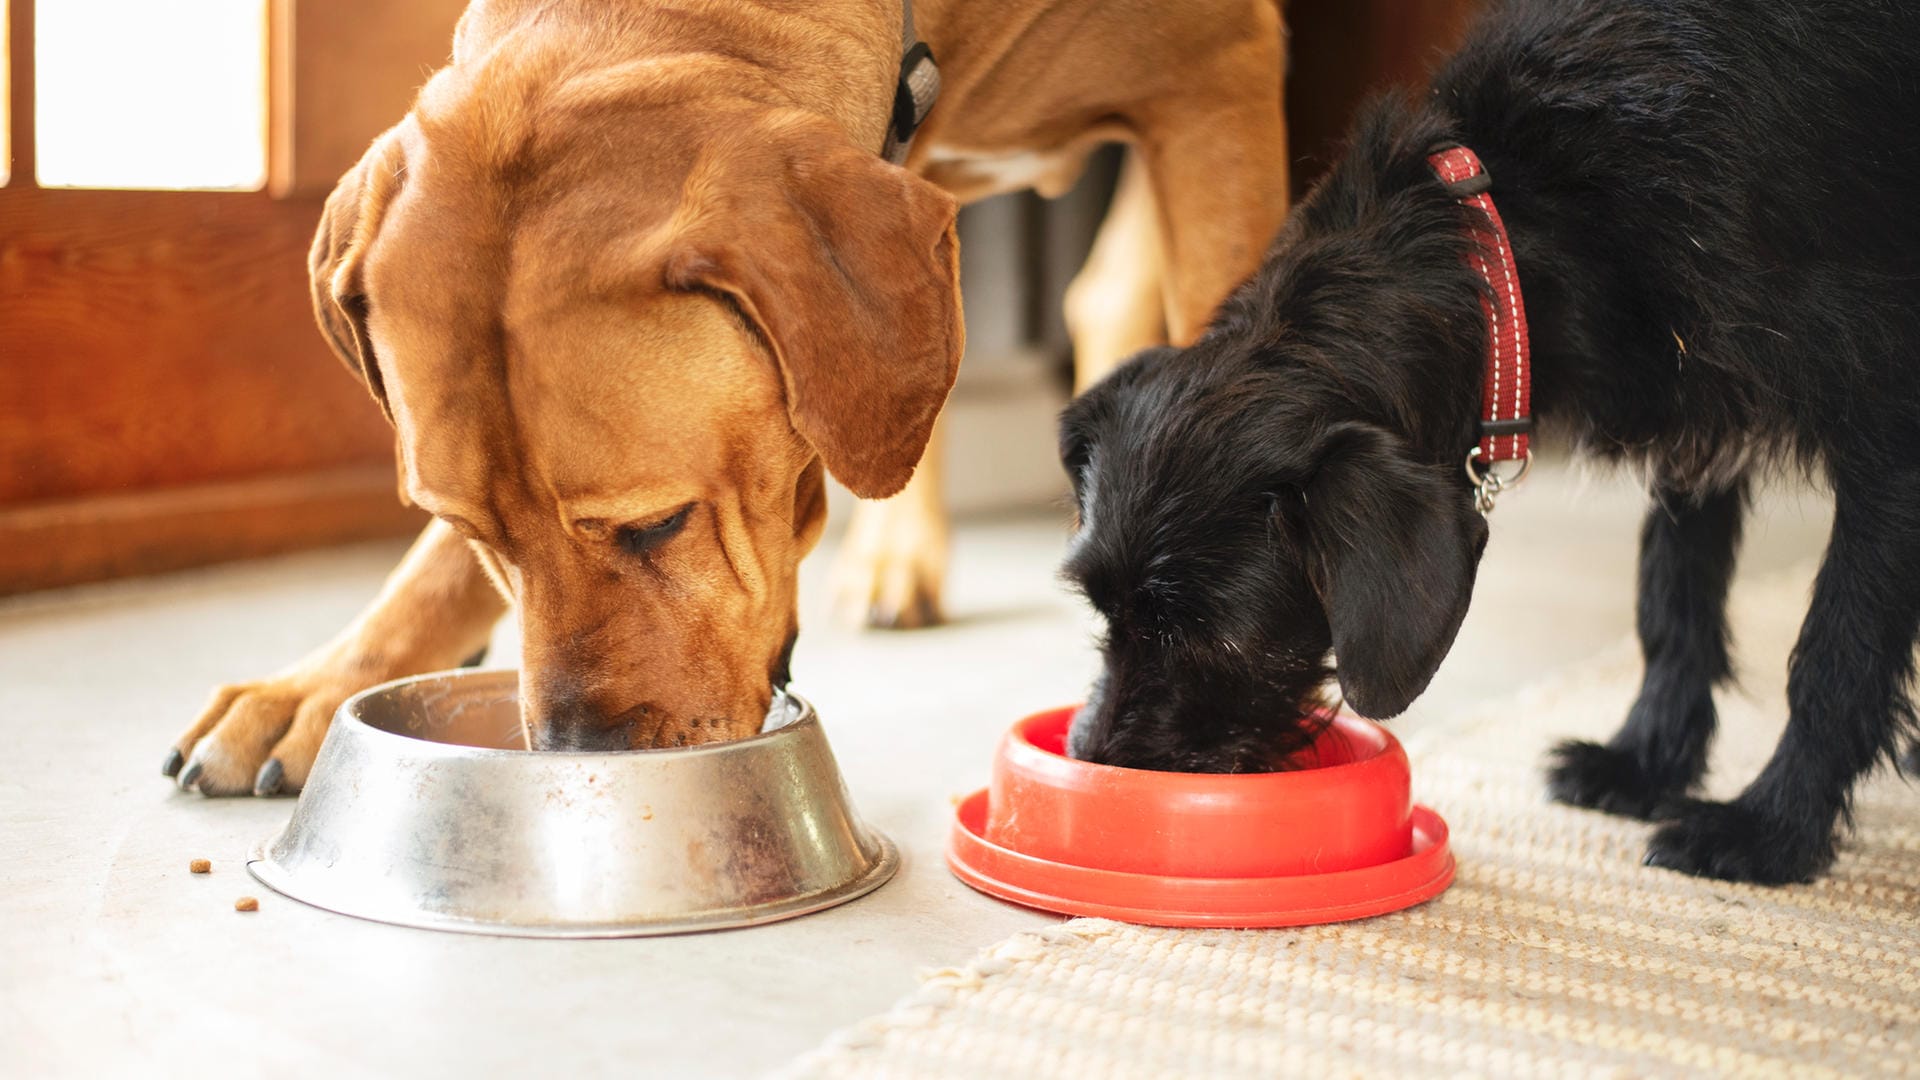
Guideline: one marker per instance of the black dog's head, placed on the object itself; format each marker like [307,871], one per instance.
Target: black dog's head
[1286,488]
[1232,537]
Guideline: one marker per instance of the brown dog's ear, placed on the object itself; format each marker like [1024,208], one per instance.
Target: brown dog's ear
[850,269]
[1396,545]
[334,263]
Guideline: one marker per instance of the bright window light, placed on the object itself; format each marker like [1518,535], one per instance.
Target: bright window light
[143,94]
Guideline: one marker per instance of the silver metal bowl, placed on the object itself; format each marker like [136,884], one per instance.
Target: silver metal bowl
[424,809]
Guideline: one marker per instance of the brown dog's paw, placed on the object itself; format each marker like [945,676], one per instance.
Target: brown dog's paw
[912,607]
[891,566]
[259,737]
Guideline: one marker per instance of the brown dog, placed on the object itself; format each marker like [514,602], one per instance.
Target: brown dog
[627,279]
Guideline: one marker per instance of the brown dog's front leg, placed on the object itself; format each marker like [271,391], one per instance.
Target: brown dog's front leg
[437,609]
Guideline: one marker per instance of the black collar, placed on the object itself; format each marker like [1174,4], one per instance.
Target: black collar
[914,93]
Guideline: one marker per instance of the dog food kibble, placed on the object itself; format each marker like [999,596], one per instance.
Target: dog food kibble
[246,903]
[199,866]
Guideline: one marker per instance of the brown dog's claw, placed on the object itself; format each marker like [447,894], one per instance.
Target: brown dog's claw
[918,613]
[171,766]
[260,738]
[268,780]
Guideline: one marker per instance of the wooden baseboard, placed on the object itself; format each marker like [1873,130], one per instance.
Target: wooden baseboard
[49,544]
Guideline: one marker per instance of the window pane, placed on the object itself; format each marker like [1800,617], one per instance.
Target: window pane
[144,94]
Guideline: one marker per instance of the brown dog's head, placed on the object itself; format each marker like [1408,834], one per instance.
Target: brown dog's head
[619,330]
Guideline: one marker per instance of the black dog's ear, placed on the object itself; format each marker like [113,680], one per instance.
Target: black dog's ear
[1395,546]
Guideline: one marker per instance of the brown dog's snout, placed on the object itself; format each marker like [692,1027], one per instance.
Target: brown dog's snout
[581,738]
[564,717]
[563,712]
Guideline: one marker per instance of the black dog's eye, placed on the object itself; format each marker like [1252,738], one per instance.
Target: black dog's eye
[646,539]
[1076,449]
[1074,458]
[1287,504]
[1076,455]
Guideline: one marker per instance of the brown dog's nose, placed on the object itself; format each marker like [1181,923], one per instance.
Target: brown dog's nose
[562,716]
[580,737]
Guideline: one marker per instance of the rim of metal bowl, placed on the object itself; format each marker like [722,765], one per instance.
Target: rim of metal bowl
[260,863]
[349,714]
[269,873]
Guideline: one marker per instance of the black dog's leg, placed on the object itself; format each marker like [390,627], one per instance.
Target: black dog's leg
[1846,694]
[1687,549]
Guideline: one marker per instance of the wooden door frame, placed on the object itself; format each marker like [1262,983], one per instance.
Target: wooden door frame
[20,141]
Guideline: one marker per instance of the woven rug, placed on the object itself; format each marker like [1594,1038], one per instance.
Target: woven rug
[1555,953]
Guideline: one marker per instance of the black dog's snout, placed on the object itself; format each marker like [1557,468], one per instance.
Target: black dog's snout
[1091,725]
[1080,738]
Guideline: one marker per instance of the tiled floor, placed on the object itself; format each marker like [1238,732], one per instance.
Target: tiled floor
[115,961]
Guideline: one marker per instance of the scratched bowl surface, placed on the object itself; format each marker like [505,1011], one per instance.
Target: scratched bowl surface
[424,809]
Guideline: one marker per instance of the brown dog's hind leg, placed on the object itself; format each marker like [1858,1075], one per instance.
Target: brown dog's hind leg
[1114,308]
[892,562]
[1218,159]
[436,609]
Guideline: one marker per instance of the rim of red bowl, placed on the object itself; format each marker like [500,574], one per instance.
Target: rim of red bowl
[1019,737]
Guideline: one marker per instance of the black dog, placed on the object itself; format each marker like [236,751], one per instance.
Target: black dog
[1714,207]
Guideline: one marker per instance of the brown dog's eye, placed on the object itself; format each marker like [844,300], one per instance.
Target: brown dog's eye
[646,539]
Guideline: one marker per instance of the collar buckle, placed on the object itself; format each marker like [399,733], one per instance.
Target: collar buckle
[1472,177]
[914,95]
[1489,483]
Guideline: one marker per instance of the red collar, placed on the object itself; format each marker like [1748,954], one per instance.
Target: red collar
[1505,396]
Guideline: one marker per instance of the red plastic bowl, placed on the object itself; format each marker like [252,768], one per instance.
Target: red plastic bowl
[1336,838]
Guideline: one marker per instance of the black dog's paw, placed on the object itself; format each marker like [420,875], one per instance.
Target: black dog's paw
[1734,842]
[1599,777]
